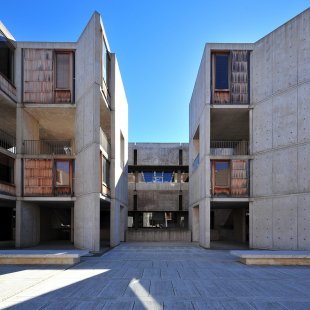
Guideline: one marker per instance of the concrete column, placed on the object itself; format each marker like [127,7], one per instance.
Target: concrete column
[27,224]
[204,223]
[194,214]
[114,223]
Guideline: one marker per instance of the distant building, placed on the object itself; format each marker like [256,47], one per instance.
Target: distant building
[63,141]
[249,150]
[158,192]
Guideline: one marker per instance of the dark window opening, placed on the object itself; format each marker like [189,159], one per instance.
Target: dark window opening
[180,157]
[6,58]
[158,177]
[221,71]
[135,157]
[6,169]
[105,173]
[212,220]
[180,202]
[135,202]
[63,76]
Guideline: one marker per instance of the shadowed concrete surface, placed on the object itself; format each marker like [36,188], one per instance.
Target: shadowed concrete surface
[156,276]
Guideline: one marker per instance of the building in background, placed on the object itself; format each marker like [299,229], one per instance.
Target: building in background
[249,150]
[63,141]
[158,192]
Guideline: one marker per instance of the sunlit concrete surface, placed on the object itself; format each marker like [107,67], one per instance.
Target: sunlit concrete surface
[156,276]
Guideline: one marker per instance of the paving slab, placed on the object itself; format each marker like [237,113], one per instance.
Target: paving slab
[155,276]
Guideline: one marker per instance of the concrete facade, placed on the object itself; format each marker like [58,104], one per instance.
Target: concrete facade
[158,192]
[67,113]
[272,122]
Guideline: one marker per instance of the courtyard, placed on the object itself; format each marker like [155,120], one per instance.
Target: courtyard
[155,276]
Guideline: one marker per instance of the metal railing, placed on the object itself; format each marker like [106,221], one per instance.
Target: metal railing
[104,142]
[48,147]
[228,148]
[7,142]
[196,163]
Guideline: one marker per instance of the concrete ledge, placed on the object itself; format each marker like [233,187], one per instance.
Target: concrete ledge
[39,257]
[158,235]
[300,258]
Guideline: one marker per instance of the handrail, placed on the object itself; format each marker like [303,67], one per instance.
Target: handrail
[48,147]
[227,148]
[7,142]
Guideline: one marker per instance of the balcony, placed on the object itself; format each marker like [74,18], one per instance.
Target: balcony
[230,178]
[7,142]
[48,147]
[104,142]
[229,148]
[48,177]
[7,189]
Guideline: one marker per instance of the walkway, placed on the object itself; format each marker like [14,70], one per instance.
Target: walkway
[156,276]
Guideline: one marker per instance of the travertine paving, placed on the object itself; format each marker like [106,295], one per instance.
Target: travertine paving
[156,276]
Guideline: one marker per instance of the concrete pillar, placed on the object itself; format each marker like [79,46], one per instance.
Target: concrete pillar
[27,224]
[124,222]
[204,223]
[195,223]
[115,223]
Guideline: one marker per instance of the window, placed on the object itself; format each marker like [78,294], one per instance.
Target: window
[221,71]
[122,150]
[105,63]
[135,157]
[63,76]
[105,173]
[6,58]
[222,173]
[62,173]
[180,157]
[157,177]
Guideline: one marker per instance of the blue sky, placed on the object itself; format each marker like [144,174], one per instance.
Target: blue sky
[159,44]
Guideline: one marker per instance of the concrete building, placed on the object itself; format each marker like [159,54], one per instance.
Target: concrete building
[249,151]
[63,141]
[158,192]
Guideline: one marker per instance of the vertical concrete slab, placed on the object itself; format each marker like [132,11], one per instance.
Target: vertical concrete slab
[284,223]
[303,222]
[27,224]
[261,214]
[87,179]
[204,223]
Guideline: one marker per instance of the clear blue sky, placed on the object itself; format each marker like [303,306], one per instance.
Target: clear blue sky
[159,44]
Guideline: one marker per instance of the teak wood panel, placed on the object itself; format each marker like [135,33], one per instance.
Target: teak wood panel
[39,84]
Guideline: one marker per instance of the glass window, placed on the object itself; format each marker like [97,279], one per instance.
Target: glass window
[62,173]
[6,58]
[63,71]
[222,173]
[221,72]
[105,171]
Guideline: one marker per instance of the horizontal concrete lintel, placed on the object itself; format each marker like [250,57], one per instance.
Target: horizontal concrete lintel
[243,157]
[7,153]
[230,199]
[7,197]
[30,105]
[47,156]
[47,199]
[231,106]
[105,198]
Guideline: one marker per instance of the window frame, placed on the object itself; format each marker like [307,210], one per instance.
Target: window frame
[70,173]
[214,186]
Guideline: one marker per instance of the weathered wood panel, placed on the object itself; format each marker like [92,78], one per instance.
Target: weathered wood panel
[239,77]
[38,76]
[239,179]
[38,177]
[7,189]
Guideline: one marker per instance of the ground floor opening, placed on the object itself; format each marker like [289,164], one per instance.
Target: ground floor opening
[105,224]
[7,226]
[229,225]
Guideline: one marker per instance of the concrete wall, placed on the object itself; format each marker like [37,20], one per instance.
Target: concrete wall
[87,178]
[119,175]
[163,154]
[281,139]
